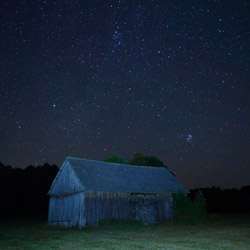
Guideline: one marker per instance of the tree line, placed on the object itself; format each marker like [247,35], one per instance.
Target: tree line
[23,192]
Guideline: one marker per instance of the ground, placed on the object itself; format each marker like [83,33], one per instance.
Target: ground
[219,232]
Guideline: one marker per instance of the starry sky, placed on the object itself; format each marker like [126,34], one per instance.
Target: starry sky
[94,78]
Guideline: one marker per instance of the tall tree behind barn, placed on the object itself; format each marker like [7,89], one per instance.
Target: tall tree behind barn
[85,191]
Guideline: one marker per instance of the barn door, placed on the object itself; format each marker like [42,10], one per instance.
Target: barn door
[146,208]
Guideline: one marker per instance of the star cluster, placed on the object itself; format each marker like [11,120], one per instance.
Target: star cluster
[96,78]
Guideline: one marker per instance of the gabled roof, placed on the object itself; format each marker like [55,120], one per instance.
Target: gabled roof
[112,177]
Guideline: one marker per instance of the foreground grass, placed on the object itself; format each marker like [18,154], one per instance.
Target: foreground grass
[222,233]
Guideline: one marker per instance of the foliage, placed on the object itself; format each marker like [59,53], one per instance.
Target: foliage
[138,159]
[115,159]
[190,211]
[142,160]
[200,199]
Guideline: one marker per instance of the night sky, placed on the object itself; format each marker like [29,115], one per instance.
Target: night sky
[94,78]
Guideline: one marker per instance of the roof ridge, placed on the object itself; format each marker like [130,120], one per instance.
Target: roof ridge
[113,163]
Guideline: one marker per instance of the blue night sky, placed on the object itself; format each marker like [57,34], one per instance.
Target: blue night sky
[95,78]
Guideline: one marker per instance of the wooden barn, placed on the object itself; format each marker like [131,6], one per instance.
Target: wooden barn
[85,191]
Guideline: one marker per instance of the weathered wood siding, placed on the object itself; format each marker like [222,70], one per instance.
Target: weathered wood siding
[165,205]
[148,208]
[145,208]
[86,208]
[105,205]
[67,210]
[151,208]
[66,182]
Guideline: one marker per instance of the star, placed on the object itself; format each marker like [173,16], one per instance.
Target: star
[189,138]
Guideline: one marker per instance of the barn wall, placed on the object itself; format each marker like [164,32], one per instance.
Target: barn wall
[145,208]
[87,208]
[67,210]
[151,208]
[101,205]
[165,204]
[148,208]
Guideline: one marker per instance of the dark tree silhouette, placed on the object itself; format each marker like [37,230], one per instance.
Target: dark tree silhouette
[225,200]
[115,159]
[141,160]
[23,192]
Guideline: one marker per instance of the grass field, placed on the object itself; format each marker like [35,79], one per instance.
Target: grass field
[222,233]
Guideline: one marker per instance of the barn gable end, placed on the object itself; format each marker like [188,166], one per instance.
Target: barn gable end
[66,182]
[66,206]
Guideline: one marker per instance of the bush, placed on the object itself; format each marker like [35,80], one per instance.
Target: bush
[200,199]
[190,211]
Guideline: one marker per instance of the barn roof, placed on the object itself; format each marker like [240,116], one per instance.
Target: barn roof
[112,177]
